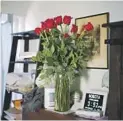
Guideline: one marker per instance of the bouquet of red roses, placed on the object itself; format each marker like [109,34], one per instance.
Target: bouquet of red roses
[58,21]
[65,49]
[65,52]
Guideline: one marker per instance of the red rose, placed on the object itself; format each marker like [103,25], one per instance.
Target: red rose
[50,23]
[88,27]
[67,20]
[66,35]
[74,28]
[58,20]
[37,30]
[43,25]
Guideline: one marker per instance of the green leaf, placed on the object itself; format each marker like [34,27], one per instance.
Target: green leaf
[49,61]
[62,45]
[40,67]
[52,48]
[34,58]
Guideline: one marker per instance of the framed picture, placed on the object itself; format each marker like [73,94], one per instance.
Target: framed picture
[100,59]
[95,100]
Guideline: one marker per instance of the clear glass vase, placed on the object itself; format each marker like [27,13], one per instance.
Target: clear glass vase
[62,94]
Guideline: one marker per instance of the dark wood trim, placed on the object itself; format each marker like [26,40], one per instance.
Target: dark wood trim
[121,61]
[121,84]
[115,99]
[48,115]
[114,41]
[114,112]
[118,24]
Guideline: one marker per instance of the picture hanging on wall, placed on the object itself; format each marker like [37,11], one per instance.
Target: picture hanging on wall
[100,34]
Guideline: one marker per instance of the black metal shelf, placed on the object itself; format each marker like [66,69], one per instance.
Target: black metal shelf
[17,92]
[24,62]
[27,34]
[23,93]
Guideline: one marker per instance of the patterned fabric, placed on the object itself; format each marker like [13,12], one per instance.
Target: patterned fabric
[33,100]
[21,82]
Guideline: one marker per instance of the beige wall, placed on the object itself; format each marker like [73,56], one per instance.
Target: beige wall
[39,11]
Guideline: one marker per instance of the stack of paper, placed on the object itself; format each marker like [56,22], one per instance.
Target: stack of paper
[8,117]
[13,114]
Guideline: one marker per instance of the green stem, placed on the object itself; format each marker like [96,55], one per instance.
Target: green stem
[66,28]
[61,28]
[41,35]
[51,34]
[46,35]
[62,94]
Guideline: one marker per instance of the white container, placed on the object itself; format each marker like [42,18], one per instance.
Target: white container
[76,97]
[49,96]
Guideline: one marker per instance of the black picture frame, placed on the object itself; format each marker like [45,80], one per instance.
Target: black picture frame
[96,17]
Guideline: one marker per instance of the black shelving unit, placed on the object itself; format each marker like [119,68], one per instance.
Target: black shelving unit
[24,62]
[26,36]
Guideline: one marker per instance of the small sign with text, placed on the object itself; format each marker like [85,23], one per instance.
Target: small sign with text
[93,102]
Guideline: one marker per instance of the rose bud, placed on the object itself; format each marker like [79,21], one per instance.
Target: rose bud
[66,35]
[74,28]
[58,20]
[50,23]
[37,30]
[43,25]
[88,27]
[67,20]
